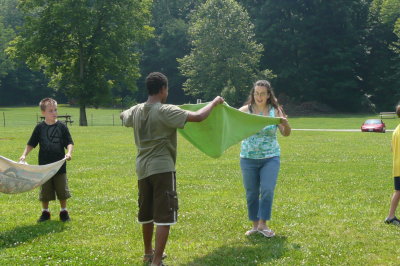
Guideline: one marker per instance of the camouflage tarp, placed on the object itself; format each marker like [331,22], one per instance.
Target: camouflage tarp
[18,177]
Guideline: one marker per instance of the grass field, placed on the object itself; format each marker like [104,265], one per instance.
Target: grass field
[28,116]
[332,195]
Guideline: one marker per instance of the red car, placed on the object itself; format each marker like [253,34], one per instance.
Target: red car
[373,125]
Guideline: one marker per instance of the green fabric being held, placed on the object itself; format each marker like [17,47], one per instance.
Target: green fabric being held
[224,127]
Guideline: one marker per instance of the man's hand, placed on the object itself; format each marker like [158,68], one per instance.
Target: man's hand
[68,157]
[203,113]
[218,100]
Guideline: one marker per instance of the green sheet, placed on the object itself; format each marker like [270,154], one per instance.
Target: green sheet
[224,127]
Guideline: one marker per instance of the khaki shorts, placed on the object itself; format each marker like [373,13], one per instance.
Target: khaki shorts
[57,185]
[158,200]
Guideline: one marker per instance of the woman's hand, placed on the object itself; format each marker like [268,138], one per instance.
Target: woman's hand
[284,126]
[284,121]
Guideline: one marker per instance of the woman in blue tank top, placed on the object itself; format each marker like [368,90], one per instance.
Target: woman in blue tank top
[260,157]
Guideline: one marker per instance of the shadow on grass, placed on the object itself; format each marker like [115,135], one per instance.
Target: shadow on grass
[23,234]
[254,250]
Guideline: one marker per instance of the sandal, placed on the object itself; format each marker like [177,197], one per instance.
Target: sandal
[266,232]
[148,258]
[394,221]
[251,231]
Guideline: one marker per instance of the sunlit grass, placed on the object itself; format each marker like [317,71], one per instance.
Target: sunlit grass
[332,195]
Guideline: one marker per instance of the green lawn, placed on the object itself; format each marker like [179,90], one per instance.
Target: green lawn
[332,195]
[28,116]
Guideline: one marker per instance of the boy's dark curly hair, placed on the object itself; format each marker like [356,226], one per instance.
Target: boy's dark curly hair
[155,81]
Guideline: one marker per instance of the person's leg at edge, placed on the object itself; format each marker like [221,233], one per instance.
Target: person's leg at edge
[162,233]
[395,198]
[147,231]
[393,204]
[268,178]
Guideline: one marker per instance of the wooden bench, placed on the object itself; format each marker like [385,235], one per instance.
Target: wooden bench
[63,118]
[388,115]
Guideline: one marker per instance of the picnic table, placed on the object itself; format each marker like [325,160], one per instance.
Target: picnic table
[63,118]
[387,115]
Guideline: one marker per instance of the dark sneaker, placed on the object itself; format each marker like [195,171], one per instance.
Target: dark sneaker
[394,221]
[44,217]
[64,216]
[161,264]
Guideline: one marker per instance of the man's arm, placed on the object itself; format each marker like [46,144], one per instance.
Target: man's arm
[204,112]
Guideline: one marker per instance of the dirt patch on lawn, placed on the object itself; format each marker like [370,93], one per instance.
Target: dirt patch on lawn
[7,138]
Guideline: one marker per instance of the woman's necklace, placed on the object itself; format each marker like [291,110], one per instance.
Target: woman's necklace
[260,111]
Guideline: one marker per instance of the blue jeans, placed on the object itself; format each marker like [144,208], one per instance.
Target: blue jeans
[259,180]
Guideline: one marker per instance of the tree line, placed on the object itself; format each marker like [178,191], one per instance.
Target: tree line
[344,54]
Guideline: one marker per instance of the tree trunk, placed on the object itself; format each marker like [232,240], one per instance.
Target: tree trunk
[82,107]
[82,115]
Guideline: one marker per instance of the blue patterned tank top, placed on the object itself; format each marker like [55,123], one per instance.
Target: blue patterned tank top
[263,144]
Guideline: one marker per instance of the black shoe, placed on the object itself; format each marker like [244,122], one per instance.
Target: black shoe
[161,264]
[64,216]
[44,217]
[394,221]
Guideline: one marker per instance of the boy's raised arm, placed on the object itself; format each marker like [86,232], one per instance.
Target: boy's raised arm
[203,113]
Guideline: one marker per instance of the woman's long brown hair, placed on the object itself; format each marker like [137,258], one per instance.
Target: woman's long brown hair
[272,100]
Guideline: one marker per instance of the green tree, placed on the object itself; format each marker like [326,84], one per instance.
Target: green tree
[12,17]
[224,58]
[396,49]
[170,20]
[6,35]
[86,48]
[314,47]
[396,44]
[382,65]
[18,84]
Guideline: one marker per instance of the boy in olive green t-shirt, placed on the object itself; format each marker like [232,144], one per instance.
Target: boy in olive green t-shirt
[392,219]
[154,126]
